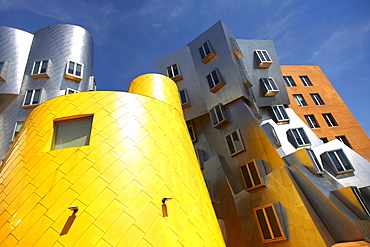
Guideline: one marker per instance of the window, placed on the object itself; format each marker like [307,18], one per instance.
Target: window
[72,133]
[40,69]
[264,60]
[324,139]
[337,161]
[269,223]
[315,162]
[237,51]
[201,157]
[74,71]
[270,88]
[184,98]
[289,81]
[299,99]
[17,128]
[251,175]
[280,113]
[192,133]
[306,82]
[3,70]
[311,120]
[317,99]
[206,53]
[70,91]
[235,143]
[214,81]
[298,137]
[217,116]
[173,72]
[32,97]
[344,140]
[330,119]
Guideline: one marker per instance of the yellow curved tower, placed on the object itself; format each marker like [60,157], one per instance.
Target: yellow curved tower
[114,159]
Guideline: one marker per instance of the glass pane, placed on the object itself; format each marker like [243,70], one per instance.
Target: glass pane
[78,69]
[206,48]
[213,117]
[202,53]
[304,136]
[183,97]
[254,173]
[28,97]
[247,179]
[273,222]
[273,84]
[220,117]
[18,127]
[230,144]
[266,55]
[43,67]
[344,160]
[36,96]
[71,67]
[277,113]
[1,66]
[237,142]
[297,137]
[267,84]
[283,112]
[335,161]
[175,70]
[210,81]
[36,68]
[169,72]
[263,224]
[215,77]
[72,133]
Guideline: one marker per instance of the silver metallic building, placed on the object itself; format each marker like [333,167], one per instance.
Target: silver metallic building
[272,180]
[56,60]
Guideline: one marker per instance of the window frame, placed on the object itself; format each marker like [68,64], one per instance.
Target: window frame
[252,176]
[214,115]
[40,74]
[316,98]
[31,104]
[171,69]
[344,139]
[192,134]
[240,139]
[289,81]
[324,139]
[330,120]
[15,132]
[300,102]
[306,81]
[206,56]
[264,59]
[315,161]
[211,79]
[73,76]
[328,160]
[70,89]
[270,87]
[185,94]
[279,112]
[299,136]
[312,121]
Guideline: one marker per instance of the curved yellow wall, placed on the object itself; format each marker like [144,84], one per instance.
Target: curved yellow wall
[139,153]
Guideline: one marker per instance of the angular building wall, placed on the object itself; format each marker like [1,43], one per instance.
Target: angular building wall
[138,157]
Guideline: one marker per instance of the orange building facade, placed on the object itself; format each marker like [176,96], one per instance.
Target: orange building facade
[316,102]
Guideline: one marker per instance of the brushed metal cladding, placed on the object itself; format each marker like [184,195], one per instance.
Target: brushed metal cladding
[58,44]
[14,49]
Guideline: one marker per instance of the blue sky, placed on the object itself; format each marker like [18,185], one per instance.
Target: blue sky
[129,35]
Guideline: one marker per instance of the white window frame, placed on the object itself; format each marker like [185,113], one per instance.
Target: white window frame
[317,99]
[73,76]
[230,140]
[311,120]
[70,90]
[251,171]
[299,136]
[299,99]
[270,87]
[280,114]
[338,157]
[206,52]
[330,120]
[215,81]
[15,132]
[32,97]
[171,72]
[306,81]
[289,81]
[185,103]
[217,116]
[38,73]
[264,58]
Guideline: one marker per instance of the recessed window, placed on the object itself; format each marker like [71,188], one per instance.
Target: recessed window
[299,99]
[32,97]
[17,128]
[40,69]
[3,70]
[72,133]
[289,81]
[344,140]
[184,98]
[206,53]
[324,139]
[173,72]
[312,122]
[298,138]
[74,71]
[315,161]
[317,99]
[264,60]
[269,86]
[306,82]
[269,223]
[70,91]
[330,119]
[214,81]
[337,161]
[251,175]
[280,114]
[192,133]
[217,116]
[234,142]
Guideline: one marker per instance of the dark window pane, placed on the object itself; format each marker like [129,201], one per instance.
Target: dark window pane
[230,144]
[254,173]
[71,68]
[78,69]
[36,68]
[263,224]
[44,67]
[246,177]
[273,222]
[36,96]
[28,98]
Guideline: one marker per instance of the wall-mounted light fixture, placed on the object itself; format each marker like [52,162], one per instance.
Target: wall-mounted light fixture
[74,209]
[164,206]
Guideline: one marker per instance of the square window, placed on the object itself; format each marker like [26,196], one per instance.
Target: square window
[289,81]
[269,223]
[299,99]
[306,82]
[337,161]
[217,116]
[74,71]
[72,133]
[234,142]
[298,138]
[252,174]
[3,70]
[269,86]
[70,91]
[206,53]
[17,128]
[214,81]
[344,140]
[40,69]
[330,119]
[192,133]
[184,98]
[32,97]
[280,114]
[312,122]
[317,99]
[263,59]
[173,72]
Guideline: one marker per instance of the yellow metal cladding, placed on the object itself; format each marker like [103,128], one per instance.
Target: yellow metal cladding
[139,153]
